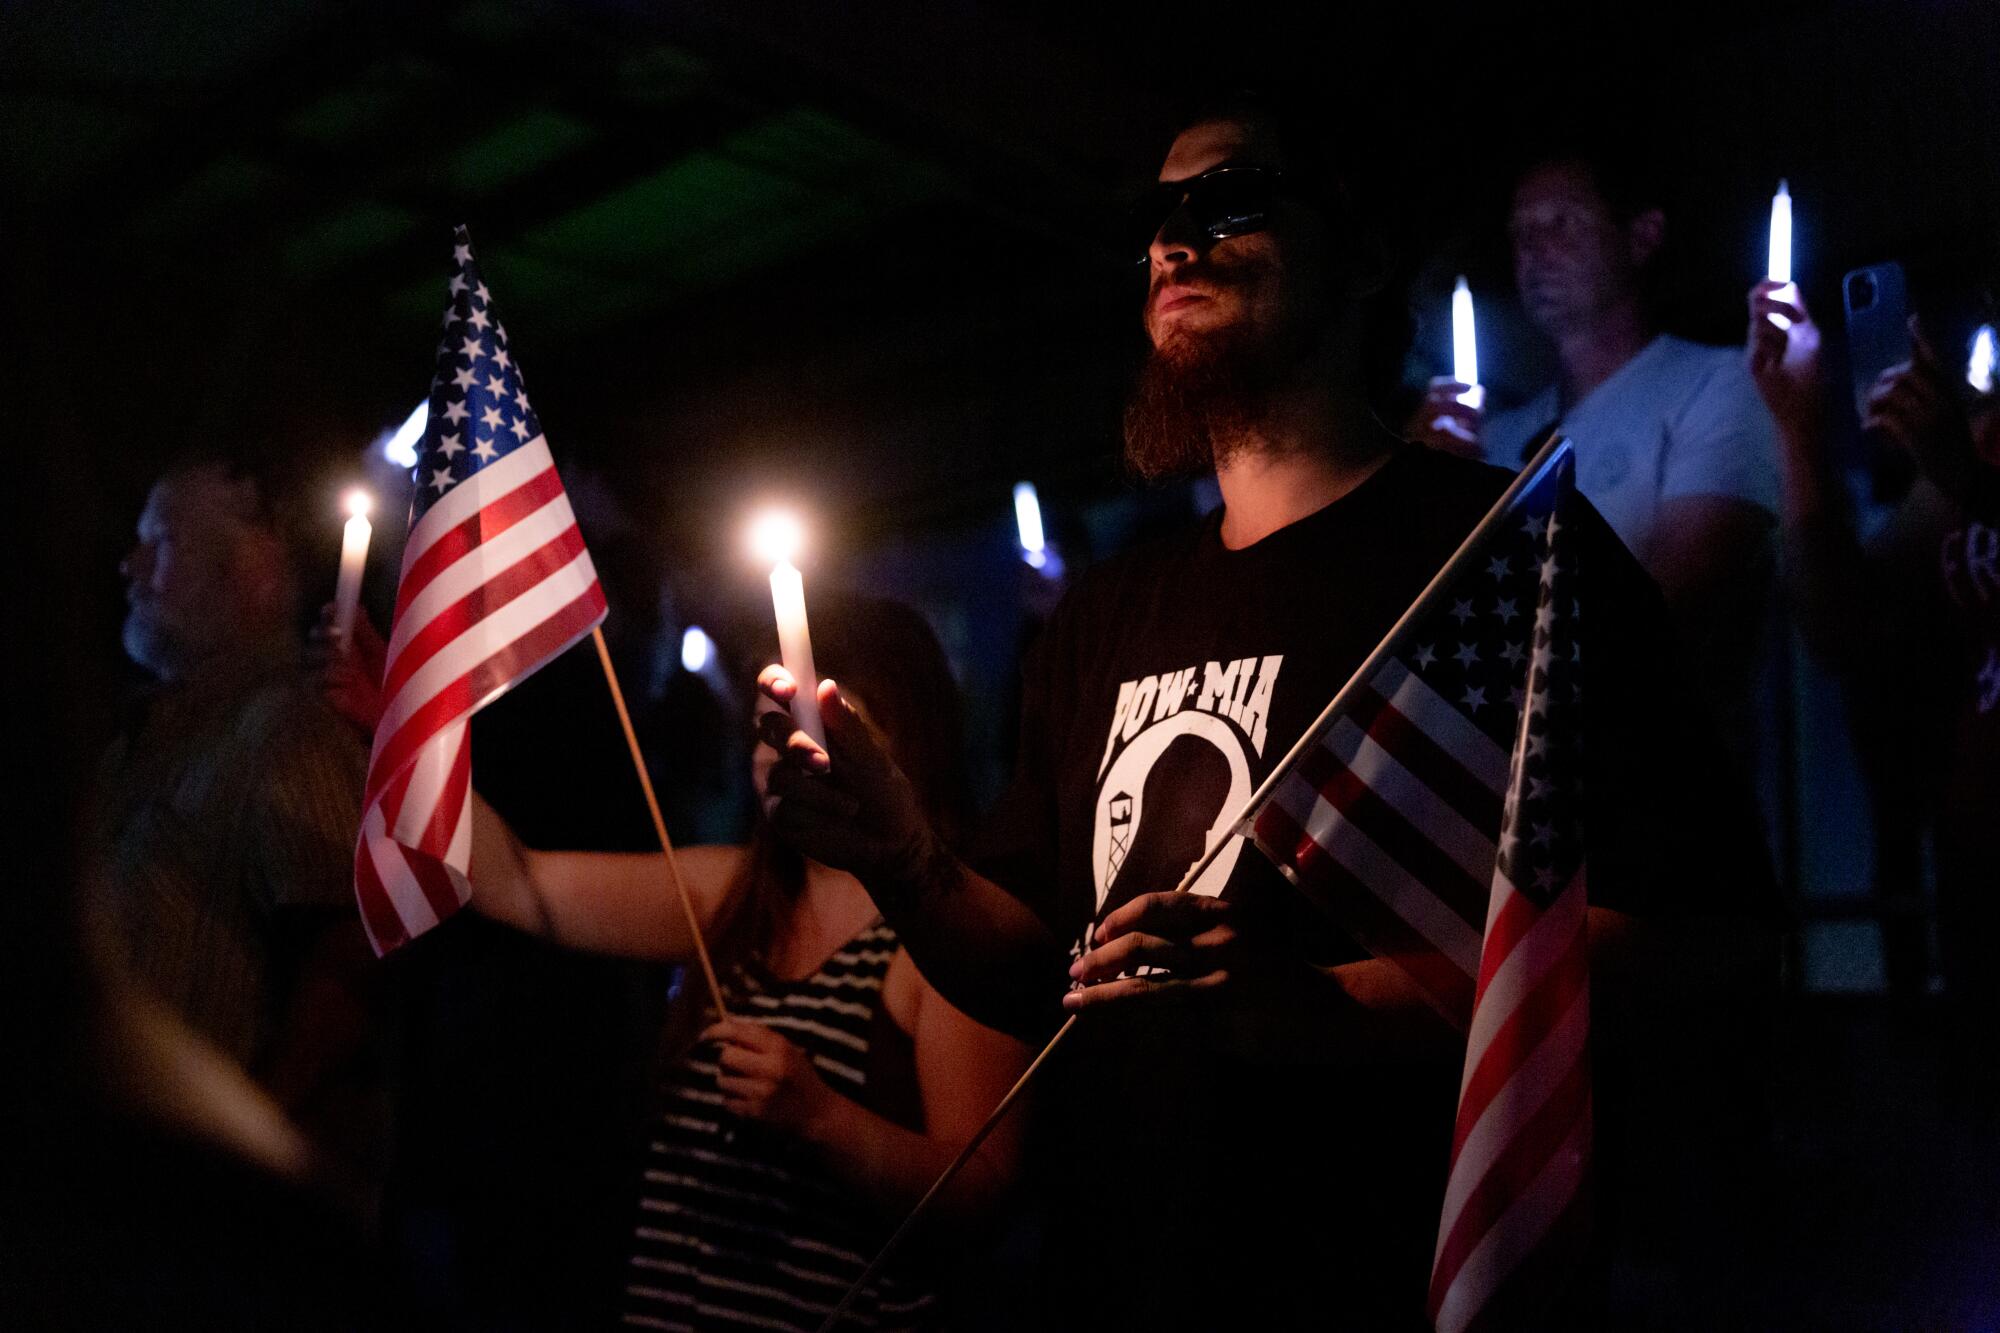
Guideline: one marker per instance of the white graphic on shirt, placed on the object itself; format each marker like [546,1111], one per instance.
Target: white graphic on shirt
[1176,769]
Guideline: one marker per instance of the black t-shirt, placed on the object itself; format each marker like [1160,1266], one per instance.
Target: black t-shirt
[1164,689]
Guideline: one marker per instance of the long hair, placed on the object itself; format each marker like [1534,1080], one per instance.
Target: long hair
[889,666]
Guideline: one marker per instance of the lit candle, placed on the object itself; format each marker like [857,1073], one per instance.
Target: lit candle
[1465,346]
[1780,268]
[1028,522]
[777,538]
[353,559]
[1781,234]
[1979,366]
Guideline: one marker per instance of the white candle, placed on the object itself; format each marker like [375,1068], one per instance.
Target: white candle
[1780,267]
[788,599]
[353,560]
[1979,365]
[1781,235]
[1465,346]
[777,538]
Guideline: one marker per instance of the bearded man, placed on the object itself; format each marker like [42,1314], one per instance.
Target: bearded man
[225,810]
[1252,1125]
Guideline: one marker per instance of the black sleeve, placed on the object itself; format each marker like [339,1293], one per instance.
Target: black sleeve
[1668,817]
[1015,846]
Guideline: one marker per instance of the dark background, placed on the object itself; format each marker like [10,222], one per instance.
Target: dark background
[862,257]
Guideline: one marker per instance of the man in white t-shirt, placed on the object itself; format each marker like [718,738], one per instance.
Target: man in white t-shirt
[1673,445]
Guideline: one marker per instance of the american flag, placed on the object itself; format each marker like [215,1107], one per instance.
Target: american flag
[495,583]
[1437,818]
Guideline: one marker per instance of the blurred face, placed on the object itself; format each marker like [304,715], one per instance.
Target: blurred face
[1572,257]
[197,575]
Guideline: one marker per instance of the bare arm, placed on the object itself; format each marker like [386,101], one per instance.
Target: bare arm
[606,902]
[963,1070]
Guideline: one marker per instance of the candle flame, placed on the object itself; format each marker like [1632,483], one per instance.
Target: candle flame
[776,536]
[358,504]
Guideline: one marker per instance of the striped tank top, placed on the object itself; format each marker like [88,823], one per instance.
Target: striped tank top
[739,1226]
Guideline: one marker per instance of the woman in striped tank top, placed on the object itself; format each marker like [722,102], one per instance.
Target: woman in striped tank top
[793,1134]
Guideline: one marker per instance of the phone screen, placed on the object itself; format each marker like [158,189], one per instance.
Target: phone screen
[1877,303]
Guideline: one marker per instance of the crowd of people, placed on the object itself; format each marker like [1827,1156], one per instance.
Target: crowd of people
[1253,1122]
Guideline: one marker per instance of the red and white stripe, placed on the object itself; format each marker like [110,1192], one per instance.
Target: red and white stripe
[1521,1147]
[1388,823]
[495,583]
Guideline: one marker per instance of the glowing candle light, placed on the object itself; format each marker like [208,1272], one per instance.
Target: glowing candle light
[1028,522]
[696,650]
[1781,234]
[776,537]
[1465,346]
[1780,268]
[353,559]
[1979,366]
[399,446]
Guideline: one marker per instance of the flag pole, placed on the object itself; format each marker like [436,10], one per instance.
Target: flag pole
[1421,606]
[659,823]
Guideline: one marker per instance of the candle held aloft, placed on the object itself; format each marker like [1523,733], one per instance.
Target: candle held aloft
[1979,363]
[1781,234]
[1465,346]
[353,560]
[788,599]
[777,537]
[1779,269]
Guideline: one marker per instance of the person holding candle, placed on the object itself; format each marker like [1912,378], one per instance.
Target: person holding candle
[792,1131]
[1672,444]
[1250,1123]
[1910,616]
[225,810]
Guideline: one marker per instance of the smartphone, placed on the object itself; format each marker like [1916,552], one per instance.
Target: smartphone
[1877,302]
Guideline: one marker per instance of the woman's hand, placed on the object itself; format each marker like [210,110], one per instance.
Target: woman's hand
[764,1077]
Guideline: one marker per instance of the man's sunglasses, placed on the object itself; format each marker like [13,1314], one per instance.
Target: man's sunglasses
[1228,201]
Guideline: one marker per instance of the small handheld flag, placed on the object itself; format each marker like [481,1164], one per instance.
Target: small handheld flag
[1437,816]
[495,583]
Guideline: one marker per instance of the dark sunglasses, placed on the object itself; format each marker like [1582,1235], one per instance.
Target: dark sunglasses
[1228,201]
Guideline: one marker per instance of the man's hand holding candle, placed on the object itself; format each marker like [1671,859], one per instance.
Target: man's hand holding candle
[847,805]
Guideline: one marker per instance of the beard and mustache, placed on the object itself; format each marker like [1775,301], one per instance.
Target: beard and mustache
[1198,395]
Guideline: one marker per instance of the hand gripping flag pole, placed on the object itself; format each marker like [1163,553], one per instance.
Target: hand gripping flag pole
[1429,602]
[495,584]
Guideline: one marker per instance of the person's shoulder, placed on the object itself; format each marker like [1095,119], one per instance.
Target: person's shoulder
[1443,484]
[1507,428]
[1110,580]
[287,714]
[1704,367]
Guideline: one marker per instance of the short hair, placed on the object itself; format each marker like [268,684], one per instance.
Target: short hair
[279,482]
[1305,126]
[1300,124]
[1624,175]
